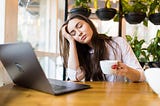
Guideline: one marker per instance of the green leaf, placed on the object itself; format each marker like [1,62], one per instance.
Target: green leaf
[116,18]
[129,38]
[145,22]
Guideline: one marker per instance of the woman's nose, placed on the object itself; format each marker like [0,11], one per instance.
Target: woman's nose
[79,33]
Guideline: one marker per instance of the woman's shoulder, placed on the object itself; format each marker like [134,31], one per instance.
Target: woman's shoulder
[120,41]
[118,38]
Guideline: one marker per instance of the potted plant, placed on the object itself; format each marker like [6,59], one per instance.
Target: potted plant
[137,47]
[106,13]
[149,55]
[153,51]
[134,11]
[154,11]
[154,48]
[81,7]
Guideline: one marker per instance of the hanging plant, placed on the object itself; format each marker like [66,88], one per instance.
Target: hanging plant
[106,13]
[134,11]
[81,7]
[154,11]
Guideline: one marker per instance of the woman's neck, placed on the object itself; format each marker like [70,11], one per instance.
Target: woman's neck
[90,45]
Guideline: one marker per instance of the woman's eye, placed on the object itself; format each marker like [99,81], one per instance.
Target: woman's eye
[79,25]
[72,33]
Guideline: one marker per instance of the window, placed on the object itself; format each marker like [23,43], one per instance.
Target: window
[37,22]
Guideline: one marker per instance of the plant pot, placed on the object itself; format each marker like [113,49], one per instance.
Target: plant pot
[82,11]
[155,18]
[106,13]
[150,64]
[135,17]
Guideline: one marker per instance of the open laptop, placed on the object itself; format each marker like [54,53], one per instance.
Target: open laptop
[22,65]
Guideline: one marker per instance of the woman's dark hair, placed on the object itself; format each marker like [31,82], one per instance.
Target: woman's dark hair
[89,61]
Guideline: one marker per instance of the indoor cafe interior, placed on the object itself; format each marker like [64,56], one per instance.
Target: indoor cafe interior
[39,21]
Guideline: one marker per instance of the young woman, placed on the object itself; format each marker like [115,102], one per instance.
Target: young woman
[82,48]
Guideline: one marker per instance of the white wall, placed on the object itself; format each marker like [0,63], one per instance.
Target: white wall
[2,20]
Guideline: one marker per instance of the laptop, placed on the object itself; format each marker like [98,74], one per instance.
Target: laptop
[22,65]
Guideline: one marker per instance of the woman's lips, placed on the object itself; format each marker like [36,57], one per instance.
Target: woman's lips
[83,37]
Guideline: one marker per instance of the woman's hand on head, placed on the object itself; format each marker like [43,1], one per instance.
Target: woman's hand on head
[66,34]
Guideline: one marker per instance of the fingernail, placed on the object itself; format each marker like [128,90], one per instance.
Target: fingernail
[114,66]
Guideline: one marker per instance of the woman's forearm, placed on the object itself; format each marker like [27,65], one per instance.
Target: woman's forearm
[133,75]
[73,62]
[129,72]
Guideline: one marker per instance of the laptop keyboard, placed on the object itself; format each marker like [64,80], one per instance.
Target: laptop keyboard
[57,84]
[58,87]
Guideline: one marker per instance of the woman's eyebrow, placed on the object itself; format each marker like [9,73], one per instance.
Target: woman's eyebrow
[71,32]
[75,26]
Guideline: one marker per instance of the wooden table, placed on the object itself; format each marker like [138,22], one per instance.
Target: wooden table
[101,94]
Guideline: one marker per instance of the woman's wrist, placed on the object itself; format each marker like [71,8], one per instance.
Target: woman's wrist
[80,73]
[133,74]
[72,42]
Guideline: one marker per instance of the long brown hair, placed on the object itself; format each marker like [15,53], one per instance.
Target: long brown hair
[90,62]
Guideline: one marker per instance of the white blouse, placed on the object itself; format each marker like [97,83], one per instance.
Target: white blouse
[124,53]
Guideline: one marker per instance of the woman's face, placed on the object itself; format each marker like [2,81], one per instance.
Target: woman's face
[80,31]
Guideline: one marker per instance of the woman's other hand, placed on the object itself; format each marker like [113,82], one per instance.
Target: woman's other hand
[123,70]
